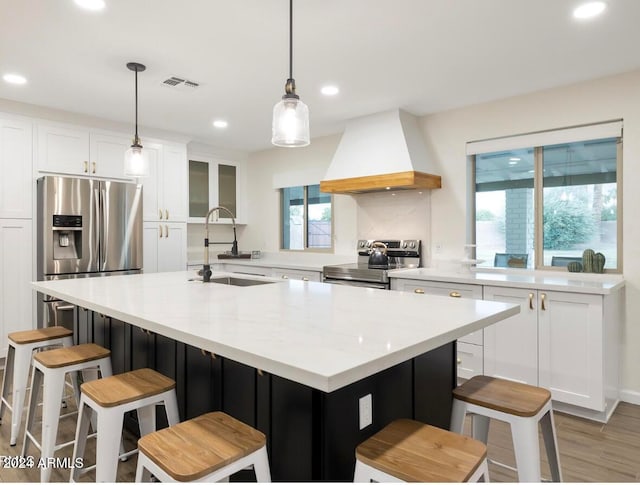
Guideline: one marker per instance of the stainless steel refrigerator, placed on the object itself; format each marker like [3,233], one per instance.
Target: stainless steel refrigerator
[86,228]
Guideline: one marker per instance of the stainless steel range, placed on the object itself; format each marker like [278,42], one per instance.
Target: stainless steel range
[372,269]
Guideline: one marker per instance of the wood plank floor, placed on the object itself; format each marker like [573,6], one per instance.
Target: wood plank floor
[589,451]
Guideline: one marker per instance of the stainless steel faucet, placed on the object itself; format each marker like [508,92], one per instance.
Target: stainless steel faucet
[206,267]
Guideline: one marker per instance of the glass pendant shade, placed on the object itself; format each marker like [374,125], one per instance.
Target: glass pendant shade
[135,162]
[290,126]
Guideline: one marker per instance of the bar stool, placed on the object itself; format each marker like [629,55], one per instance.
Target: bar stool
[16,371]
[523,407]
[111,398]
[50,368]
[410,451]
[208,448]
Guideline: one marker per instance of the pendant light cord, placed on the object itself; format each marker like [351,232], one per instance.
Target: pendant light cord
[290,39]
[137,140]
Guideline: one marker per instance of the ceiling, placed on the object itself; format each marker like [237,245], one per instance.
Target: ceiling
[420,55]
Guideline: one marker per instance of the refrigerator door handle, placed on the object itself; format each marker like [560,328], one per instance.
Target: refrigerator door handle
[96,259]
[104,227]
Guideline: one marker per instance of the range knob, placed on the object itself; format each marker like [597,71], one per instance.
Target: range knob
[368,244]
[404,245]
[412,244]
[361,244]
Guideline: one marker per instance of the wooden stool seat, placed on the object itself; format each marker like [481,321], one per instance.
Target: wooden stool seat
[39,335]
[67,356]
[503,395]
[128,387]
[415,452]
[195,448]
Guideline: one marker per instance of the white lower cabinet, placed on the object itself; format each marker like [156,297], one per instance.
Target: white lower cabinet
[16,274]
[164,247]
[510,346]
[246,269]
[470,347]
[572,341]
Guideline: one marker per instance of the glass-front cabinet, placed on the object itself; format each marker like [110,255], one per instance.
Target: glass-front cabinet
[215,183]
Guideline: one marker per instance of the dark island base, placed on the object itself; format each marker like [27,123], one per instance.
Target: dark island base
[311,435]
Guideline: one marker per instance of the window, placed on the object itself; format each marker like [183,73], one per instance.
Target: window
[541,207]
[306,218]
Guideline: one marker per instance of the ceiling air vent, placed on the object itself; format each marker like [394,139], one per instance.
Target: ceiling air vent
[182,84]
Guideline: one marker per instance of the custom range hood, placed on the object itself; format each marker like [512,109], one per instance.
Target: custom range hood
[379,152]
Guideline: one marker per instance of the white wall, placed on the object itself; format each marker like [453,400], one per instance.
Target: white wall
[604,99]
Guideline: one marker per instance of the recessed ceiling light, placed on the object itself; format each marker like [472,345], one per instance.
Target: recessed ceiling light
[329,90]
[220,124]
[515,159]
[513,163]
[589,10]
[91,4]
[14,79]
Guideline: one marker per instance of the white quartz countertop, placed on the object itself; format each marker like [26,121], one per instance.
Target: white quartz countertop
[544,280]
[320,335]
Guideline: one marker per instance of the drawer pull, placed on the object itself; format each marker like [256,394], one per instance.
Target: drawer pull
[542,297]
[285,277]
[419,291]
[93,170]
[166,231]
[166,214]
[304,278]
[530,301]
[86,166]
[455,294]
[160,211]
[160,230]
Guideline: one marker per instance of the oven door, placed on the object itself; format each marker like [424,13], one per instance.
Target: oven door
[362,284]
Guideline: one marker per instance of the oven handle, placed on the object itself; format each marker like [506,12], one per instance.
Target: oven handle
[362,284]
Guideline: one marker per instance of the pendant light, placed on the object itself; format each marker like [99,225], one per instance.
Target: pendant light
[290,126]
[135,160]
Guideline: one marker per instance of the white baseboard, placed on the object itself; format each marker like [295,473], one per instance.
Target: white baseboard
[632,397]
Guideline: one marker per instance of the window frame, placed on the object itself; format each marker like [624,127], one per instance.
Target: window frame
[538,188]
[305,213]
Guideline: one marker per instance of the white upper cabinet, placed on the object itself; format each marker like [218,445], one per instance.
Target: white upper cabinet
[215,183]
[16,185]
[165,189]
[77,151]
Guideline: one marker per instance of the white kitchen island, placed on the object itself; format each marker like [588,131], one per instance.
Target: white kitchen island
[293,357]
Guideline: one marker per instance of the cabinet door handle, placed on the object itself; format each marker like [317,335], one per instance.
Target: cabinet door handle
[419,291]
[93,167]
[160,211]
[285,277]
[86,166]
[455,294]
[304,278]
[166,231]
[542,297]
[160,230]
[166,214]
[530,301]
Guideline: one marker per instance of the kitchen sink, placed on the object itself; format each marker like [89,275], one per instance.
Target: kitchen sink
[230,280]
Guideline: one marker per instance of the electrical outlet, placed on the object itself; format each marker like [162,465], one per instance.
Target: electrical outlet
[438,247]
[366,411]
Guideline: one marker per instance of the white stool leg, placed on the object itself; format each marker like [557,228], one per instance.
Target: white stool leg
[21,365]
[7,377]
[480,427]
[85,413]
[142,472]
[261,466]
[551,445]
[481,474]
[527,449]
[171,407]
[36,383]
[108,444]
[52,396]
[360,475]
[147,419]
[458,412]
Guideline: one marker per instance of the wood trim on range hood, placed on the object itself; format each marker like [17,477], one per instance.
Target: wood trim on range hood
[410,180]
